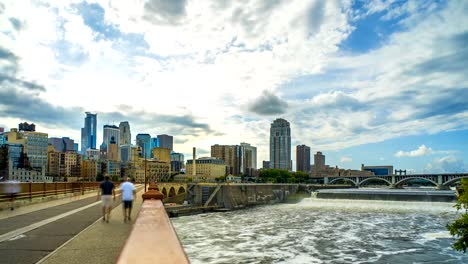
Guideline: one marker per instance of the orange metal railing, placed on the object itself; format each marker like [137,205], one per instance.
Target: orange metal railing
[153,238]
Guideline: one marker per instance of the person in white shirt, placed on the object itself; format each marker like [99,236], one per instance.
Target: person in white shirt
[128,195]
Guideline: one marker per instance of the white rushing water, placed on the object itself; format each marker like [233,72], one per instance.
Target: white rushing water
[323,231]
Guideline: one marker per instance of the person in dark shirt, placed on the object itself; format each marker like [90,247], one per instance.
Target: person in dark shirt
[105,192]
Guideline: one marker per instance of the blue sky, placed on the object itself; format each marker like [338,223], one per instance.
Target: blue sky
[373,82]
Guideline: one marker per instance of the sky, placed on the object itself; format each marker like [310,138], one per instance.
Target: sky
[381,82]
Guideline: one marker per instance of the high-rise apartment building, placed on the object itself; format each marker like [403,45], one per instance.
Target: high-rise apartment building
[88,132]
[319,162]
[280,145]
[144,142]
[251,158]
[233,156]
[303,158]
[125,134]
[165,141]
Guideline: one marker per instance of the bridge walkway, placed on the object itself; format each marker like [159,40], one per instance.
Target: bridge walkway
[30,233]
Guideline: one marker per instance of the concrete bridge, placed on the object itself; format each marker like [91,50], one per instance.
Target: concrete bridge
[442,181]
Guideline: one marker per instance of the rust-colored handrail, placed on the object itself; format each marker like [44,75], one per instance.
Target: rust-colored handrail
[32,190]
[153,238]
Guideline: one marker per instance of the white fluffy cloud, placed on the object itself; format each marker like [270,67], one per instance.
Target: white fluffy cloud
[346,159]
[448,163]
[421,151]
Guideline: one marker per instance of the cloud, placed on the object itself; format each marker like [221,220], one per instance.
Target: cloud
[164,11]
[346,159]
[8,62]
[7,81]
[421,151]
[16,23]
[447,164]
[268,104]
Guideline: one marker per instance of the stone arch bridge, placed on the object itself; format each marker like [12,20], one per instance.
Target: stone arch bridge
[442,181]
[171,189]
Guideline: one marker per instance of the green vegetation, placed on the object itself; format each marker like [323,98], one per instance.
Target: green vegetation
[283,176]
[459,228]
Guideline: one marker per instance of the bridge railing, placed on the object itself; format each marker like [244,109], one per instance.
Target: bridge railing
[153,238]
[31,190]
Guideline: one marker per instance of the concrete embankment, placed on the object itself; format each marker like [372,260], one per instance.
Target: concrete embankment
[389,195]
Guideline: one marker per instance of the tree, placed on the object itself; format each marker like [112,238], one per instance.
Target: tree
[459,228]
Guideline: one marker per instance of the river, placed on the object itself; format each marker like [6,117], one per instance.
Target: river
[323,231]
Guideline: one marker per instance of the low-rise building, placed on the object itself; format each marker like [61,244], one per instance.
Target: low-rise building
[207,169]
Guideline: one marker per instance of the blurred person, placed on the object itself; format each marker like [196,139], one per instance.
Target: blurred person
[105,192]
[128,195]
[11,189]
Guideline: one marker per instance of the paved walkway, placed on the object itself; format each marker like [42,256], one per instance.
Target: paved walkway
[99,243]
[25,206]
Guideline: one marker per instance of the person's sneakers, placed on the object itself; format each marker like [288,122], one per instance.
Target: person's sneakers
[129,219]
[103,218]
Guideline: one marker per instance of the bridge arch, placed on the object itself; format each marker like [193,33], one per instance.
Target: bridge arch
[447,183]
[181,190]
[342,178]
[164,192]
[374,178]
[414,178]
[172,192]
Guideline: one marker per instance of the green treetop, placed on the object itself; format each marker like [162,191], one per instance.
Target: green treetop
[459,228]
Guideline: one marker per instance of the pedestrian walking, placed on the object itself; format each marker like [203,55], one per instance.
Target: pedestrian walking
[105,192]
[128,195]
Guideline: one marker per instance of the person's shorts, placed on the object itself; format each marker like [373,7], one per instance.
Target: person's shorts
[128,204]
[106,200]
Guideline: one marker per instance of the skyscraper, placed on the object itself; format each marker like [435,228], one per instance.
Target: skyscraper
[303,158]
[125,134]
[280,145]
[165,141]
[144,142]
[88,132]
[109,132]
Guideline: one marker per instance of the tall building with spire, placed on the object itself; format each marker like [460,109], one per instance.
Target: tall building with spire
[125,134]
[88,132]
[280,145]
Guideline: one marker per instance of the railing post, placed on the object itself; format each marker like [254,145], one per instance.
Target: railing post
[30,190]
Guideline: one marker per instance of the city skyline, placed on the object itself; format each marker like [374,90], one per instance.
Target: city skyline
[379,83]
